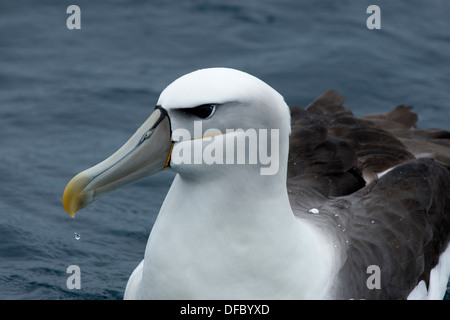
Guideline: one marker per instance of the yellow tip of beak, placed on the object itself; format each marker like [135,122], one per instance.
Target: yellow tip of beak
[72,197]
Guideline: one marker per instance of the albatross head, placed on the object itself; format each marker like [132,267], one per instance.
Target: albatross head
[207,124]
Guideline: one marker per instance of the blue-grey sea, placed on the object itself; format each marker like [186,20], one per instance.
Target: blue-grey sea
[70,98]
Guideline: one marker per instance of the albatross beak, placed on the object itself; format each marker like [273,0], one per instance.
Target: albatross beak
[144,154]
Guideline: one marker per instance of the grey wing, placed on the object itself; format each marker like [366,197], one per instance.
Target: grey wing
[399,223]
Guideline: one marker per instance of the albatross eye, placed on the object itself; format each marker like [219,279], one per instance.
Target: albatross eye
[205,111]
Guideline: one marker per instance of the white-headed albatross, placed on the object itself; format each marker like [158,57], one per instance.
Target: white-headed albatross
[355,208]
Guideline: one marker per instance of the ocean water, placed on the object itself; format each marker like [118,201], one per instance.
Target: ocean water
[70,98]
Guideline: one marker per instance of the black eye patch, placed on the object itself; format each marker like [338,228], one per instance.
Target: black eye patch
[205,111]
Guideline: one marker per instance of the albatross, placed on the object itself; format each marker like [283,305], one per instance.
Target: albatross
[356,208]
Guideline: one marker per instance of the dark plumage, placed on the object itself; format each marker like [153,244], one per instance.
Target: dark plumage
[400,222]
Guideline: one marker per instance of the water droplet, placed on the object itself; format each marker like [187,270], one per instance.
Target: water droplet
[77,236]
[314,211]
[336,214]
[373,221]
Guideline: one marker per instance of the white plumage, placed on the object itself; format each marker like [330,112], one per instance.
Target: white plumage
[226,231]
